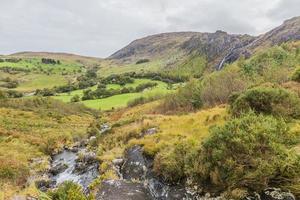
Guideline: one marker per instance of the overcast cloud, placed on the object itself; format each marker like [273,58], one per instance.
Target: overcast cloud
[100,27]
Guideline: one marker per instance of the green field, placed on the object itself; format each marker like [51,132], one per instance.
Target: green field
[117,101]
[36,64]
[32,81]
[40,81]
[109,68]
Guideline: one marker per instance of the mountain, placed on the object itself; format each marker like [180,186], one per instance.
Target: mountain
[218,48]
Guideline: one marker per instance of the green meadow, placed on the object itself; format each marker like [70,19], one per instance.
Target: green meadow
[117,101]
[36,64]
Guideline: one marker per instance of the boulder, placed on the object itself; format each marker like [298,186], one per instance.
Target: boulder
[58,168]
[149,131]
[44,184]
[122,190]
[118,162]
[87,157]
[134,166]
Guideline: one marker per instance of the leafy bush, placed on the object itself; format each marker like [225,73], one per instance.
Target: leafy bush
[218,86]
[188,98]
[45,92]
[10,94]
[121,79]
[69,191]
[144,86]
[75,98]
[143,100]
[267,100]
[248,152]
[296,75]
[50,61]
[142,61]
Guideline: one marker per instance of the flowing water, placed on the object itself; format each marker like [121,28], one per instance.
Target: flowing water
[70,159]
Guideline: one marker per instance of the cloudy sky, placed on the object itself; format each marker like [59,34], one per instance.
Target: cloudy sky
[100,27]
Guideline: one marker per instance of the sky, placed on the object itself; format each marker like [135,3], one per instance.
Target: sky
[101,27]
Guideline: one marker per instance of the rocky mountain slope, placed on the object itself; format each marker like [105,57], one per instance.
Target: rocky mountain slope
[219,47]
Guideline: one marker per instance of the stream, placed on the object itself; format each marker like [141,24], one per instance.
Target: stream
[69,168]
[137,181]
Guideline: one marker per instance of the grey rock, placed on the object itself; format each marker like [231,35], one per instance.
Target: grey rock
[118,162]
[44,184]
[276,194]
[122,190]
[58,168]
[149,131]
[134,166]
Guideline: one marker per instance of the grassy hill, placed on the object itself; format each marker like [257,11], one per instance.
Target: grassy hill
[230,132]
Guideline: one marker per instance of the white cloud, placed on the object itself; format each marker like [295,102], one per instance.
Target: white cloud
[98,27]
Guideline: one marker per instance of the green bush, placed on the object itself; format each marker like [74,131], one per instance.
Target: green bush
[276,101]
[68,191]
[218,86]
[248,152]
[145,60]
[75,98]
[188,98]
[296,75]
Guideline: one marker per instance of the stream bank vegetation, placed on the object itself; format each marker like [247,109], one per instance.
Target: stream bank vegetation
[231,132]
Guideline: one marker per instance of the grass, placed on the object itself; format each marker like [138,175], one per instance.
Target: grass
[25,135]
[108,68]
[116,101]
[40,81]
[35,63]
[128,124]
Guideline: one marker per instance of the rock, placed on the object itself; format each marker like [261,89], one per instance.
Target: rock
[149,131]
[122,190]
[58,168]
[276,194]
[44,184]
[104,128]
[134,166]
[118,162]
[74,149]
[84,161]
[87,157]
[21,197]
[92,138]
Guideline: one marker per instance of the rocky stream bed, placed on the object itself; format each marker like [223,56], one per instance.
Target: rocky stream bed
[137,180]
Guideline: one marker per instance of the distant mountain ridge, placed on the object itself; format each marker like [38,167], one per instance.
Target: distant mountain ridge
[219,47]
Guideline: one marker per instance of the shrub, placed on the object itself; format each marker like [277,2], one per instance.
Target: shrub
[188,98]
[276,101]
[142,61]
[248,152]
[50,61]
[218,86]
[45,92]
[68,191]
[75,98]
[143,100]
[122,79]
[296,75]
[170,163]
[144,86]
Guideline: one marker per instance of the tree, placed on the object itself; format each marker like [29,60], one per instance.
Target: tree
[75,98]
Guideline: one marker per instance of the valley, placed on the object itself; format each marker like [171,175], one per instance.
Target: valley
[185,115]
